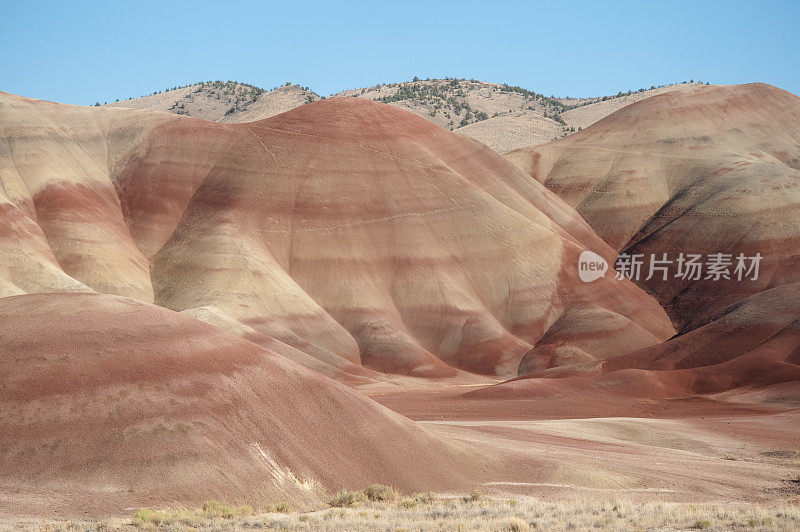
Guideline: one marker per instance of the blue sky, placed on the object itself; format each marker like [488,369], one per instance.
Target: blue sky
[82,52]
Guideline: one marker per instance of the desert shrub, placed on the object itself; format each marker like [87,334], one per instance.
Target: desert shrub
[148,515]
[408,503]
[379,492]
[344,498]
[474,495]
[701,524]
[244,510]
[218,509]
[283,507]
[424,497]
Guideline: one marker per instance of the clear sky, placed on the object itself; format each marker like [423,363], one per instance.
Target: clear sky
[82,52]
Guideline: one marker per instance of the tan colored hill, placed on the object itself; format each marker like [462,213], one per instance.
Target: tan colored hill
[223,101]
[456,103]
[582,113]
[512,130]
[704,170]
[501,116]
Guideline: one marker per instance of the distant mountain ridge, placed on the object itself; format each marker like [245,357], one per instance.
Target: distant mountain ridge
[502,116]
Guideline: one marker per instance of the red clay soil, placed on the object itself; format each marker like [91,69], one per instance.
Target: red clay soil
[603,446]
[744,362]
[108,403]
[747,354]
[553,399]
[750,458]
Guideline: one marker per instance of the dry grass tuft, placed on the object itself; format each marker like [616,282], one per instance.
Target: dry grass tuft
[346,499]
[424,497]
[380,493]
[217,509]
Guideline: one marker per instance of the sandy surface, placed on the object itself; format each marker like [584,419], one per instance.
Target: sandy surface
[688,449]
[694,459]
[593,109]
[458,512]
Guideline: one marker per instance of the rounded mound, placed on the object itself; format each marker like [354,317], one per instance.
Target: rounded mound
[751,346]
[724,159]
[108,403]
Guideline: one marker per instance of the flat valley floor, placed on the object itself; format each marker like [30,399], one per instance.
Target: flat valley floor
[679,464]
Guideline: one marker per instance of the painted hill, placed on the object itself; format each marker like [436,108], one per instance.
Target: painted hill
[433,253]
[703,171]
[175,293]
[108,403]
[747,353]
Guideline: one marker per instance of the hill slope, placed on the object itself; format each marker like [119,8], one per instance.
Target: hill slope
[702,171]
[347,230]
[501,116]
[749,352]
[117,403]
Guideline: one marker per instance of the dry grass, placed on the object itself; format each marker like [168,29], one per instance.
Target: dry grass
[380,493]
[425,512]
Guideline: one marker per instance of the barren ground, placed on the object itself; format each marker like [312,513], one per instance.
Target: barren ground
[671,465]
[690,450]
